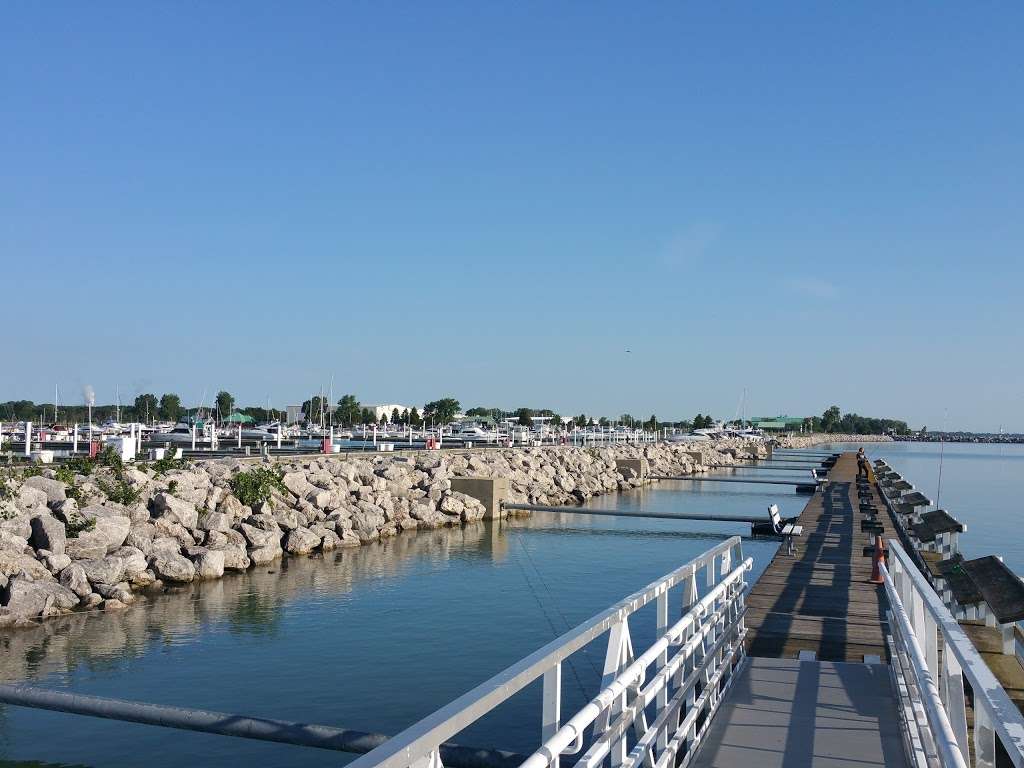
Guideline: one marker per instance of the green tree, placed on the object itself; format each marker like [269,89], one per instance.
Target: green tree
[405,417]
[441,411]
[145,407]
[830,419]
[698,421]
[396,417]
[313,407]
[225,403]
[348,410]
[651,423]
[170,407]
[383,420]
[366,416]
[602,422]
[414,417]
[524,415]
[580,421]
[627,420]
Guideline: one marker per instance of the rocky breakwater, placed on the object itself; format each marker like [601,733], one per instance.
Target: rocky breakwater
[90,535]
[809,441]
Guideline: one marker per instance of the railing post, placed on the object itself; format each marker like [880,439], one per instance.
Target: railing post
[551,708]
[984,737]
[952,691]
[662,699]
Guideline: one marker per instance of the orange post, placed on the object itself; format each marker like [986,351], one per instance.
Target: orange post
[876,572]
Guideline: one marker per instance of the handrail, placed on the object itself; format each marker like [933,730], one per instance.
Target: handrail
[942,733]
[417,744]
[996,716]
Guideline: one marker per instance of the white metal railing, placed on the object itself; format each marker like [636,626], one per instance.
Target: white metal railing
[681,675]
[934,695]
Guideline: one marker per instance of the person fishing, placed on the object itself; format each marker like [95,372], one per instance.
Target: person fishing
[862,463]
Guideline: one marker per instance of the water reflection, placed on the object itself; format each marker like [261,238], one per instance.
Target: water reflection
[250,603]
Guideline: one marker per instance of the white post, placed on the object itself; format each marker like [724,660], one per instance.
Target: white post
[375,434]
[279,434]
[410,431]
[440,435]
[28,438]
[193,435]
[74,440]
[239,434]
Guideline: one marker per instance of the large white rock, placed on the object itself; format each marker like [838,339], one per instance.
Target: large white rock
[185,511]
[30,599]
[173,568]
[301,541]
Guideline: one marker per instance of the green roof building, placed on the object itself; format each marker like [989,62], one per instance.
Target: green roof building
[778,423]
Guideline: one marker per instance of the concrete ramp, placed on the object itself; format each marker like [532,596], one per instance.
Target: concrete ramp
[784,713]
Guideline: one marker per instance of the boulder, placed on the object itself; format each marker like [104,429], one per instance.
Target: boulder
[257,537]
[210,564]
[73,577]
[30,499]
[232,507]
[185,511]
[56,563]
[28,599]
[214,521]
[54,489]
[109,570]
[235,558]
[301,541]
[288,519]
[134,561]
[297,483]
[173,568]
[264,555]
[13,563]
[48,532]
[108,533]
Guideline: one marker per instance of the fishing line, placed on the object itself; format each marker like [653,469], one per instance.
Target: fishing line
[547,616]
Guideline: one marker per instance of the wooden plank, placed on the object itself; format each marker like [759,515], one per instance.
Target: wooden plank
[821,599]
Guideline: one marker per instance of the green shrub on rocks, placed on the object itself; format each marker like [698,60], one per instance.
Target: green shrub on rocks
[80,465]
[32,471]
[120,491]
[78,524]
[160,466]
[256,485]
[65,474]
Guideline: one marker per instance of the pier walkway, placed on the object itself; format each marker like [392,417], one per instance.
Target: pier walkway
[785,713]
[821,599]
[832,709]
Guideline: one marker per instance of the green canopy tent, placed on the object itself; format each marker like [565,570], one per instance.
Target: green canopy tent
[239,418]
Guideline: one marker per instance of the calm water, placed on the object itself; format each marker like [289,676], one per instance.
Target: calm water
[982,486]
[370,639]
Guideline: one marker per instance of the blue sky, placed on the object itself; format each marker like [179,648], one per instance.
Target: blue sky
[820,203]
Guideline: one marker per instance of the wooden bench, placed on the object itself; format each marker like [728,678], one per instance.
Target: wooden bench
[786,530]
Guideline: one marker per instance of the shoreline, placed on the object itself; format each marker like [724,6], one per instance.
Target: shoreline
[103,540]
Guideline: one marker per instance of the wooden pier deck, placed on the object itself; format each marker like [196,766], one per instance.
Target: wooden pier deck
[821,599]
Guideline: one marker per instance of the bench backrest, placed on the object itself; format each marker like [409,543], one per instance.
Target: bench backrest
[775,517]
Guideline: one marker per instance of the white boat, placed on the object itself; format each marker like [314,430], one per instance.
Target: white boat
[182,433]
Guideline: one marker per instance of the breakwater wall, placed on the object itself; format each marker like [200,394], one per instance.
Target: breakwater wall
[100,536]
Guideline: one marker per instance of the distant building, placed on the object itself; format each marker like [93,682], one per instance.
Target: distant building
[387,409]
[778,423]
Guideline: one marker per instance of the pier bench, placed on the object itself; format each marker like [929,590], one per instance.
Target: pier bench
[786,530]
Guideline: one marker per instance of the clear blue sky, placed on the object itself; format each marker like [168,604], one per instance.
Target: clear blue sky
[819,202]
